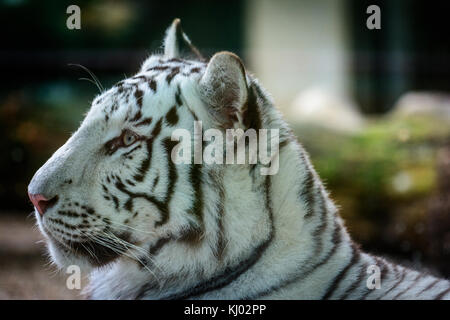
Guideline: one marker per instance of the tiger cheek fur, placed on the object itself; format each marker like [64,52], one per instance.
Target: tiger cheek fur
[114,198]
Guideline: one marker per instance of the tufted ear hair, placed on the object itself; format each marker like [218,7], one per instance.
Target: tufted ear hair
[177,43]
[224,89]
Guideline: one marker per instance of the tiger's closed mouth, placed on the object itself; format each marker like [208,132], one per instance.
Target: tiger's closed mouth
[100,251]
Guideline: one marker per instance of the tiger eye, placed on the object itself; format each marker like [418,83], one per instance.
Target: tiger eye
[128,138]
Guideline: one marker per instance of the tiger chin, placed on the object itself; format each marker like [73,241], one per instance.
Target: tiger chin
[114,201]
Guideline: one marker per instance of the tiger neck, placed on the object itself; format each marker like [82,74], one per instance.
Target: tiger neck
[283,222]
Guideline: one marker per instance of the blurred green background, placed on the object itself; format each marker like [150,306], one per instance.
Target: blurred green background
[372,107]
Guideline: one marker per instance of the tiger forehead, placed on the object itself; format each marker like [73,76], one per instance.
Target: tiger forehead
[155,74]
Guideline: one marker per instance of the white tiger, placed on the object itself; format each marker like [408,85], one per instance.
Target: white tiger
[112,201]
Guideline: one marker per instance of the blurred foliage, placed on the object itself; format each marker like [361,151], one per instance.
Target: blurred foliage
[382,178]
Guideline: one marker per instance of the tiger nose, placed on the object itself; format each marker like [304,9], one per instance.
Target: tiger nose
[41,203]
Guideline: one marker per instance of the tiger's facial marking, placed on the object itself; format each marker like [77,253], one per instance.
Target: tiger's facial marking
[172,116]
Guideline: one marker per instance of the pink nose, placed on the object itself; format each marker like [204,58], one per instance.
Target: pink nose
[42,203]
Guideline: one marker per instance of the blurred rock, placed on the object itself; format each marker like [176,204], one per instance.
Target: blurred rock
[324,109]
[435,105]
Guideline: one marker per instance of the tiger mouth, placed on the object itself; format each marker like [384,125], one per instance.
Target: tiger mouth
[98,253]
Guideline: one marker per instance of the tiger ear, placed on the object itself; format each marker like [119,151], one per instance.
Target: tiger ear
[223,87]
[177,43]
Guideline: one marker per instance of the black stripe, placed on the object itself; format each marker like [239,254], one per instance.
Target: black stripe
[336,240]
[154,249]
[144,122]
[128,205]
[177,59]
[431,285]
[137,116]
[161,242]
[178,97]
[172,116]
[356,283]
[172,176]
[157,129]
[221,243]
[139,96]
[155,182]
[62,223]
[335,283]
[68,214]
[132,150]
[252,115]
[195,178]
[220,211]
[395,284]
[284,143]
[172,74]
[409,287]
[308,190]
[152,85]
[145,164]
[158,68]
[442,294]
[323,225]
[193,114]
[116,202]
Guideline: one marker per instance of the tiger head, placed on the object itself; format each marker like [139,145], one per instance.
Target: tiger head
[112,190]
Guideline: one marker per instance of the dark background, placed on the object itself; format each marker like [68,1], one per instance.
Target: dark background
[410,52]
